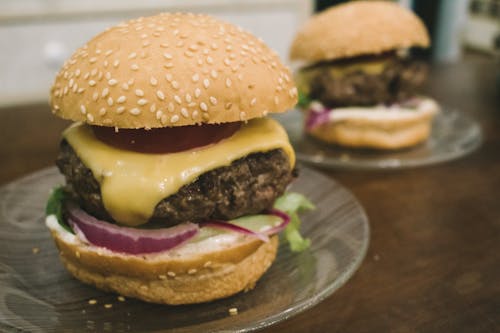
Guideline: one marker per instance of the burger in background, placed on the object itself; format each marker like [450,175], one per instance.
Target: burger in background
[357,84]
[175,179]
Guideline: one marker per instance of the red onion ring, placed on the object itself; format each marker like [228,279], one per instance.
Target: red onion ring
[128,240]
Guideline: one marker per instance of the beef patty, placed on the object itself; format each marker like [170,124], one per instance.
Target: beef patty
[399,80]
[248,186]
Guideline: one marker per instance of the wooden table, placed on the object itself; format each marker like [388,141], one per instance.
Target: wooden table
[434,258]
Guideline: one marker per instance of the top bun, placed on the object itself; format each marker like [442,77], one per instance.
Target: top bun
[358,28]
[172,70]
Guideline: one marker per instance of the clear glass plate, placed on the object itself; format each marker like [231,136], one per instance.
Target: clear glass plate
[454,135]
[38,295]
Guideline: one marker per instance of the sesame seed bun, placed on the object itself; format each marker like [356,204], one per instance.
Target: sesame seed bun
[168,278]
[358,28]
[172,70]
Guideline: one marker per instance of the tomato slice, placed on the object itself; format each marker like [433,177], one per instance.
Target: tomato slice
[167,139]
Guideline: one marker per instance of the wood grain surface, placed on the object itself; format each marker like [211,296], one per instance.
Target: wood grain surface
[434,260]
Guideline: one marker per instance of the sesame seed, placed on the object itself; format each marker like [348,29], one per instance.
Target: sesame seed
[292,92]
[228,82]
[92,60]
[203,106]
[253,101]
[108,306]
[189,54]
[280,80]
[99,76]
[125,86]
[142,102]
[193,47]
[213,73]
[206,83]
[171,107]
[177,99]
[162,277]
[105,92]
[74,87]
[195,114]
[120,109]
[227,62]
[152,108]
[242,115]
[135,111]
[192,271]
[110,101]
[214,46]
[134,67]
[65,90]
[144,36]
[121,298]
[139,92]
[167,56]
[102,111]
[188,98]
[80,90]
[90,117]
[91,83]
[160,95]
[197,92]
[132,55]
[116,63]
[207,264]
[164,45]
[171,274]
[108,52]
[95,96]
[173,119]
[112,82]
[146,43]
[71,82]
[168,77]
[83,109]
[195,77]
[199,61]
[213,100]
[184,112]
[175,85]
[77,72]
[233,311]
[168,65]
[107,75]
[276,100]
[232,56]
[121,99]
[92,301]
[159,114]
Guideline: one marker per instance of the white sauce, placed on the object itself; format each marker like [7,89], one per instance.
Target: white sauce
[426,106]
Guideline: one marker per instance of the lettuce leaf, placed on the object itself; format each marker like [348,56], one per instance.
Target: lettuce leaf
[304,100]
[293,203]
[55,206]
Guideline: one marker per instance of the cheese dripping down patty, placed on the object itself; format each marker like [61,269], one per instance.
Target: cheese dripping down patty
[133,183]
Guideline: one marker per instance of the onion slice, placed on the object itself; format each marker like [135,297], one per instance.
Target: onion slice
[263,236]
[285,221]
[128,240]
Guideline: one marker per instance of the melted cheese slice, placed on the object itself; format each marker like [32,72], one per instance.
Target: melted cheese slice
[132,184]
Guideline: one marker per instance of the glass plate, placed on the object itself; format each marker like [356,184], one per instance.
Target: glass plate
[38,295]
[454,135]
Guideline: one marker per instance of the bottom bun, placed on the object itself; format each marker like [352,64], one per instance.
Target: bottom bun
[171,277]
[377,128]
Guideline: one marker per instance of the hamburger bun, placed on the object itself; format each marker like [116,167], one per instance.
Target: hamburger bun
[181,276]
[379,133]
[358,28]
[172,70]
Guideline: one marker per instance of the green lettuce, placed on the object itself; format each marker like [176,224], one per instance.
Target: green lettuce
[55,206]
[293,203]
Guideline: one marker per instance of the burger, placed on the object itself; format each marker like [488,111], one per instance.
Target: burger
[358,84]
[175,179]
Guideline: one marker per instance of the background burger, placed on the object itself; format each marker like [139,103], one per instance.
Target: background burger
[357,84]
[172,169]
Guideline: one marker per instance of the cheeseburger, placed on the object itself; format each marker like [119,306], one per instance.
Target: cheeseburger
[357,85]
[175,178]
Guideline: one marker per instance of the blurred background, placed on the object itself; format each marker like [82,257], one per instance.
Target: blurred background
[36,36]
